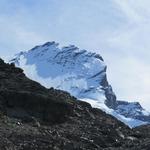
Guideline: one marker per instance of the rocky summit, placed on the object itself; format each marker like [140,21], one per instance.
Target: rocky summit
[35,118]
[82,74]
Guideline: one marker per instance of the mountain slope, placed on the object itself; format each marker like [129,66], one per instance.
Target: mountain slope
[17,91]
[33,117]
[81,73]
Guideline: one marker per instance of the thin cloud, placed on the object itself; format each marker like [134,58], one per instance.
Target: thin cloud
[126,7]
[117,29]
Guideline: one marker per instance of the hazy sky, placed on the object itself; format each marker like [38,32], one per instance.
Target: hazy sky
[119,30]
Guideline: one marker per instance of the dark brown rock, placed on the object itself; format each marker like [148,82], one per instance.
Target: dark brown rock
[35,118]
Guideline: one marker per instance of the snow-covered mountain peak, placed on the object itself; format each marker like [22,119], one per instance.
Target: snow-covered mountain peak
[81,73]
[69,68]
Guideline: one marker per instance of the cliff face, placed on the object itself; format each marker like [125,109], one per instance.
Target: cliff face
[33,117]
[17,91]
[82,74]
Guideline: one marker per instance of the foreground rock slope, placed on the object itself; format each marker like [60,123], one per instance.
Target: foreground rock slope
[35,118]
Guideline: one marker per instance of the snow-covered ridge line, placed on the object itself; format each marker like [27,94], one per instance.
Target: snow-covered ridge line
[79,72]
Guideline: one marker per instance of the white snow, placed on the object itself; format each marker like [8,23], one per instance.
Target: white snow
[128,121]
[68,69]
[146,113]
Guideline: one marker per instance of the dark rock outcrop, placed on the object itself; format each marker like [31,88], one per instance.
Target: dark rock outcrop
[22,97]
[35,118]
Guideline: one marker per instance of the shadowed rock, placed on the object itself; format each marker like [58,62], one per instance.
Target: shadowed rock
[21,97]
[33,117]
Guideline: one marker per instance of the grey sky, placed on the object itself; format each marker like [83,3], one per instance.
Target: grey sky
[117,29]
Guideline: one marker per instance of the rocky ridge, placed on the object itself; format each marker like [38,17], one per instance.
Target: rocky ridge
[33,117]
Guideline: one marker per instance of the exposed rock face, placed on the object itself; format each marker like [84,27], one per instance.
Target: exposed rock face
[143,132]
[33,117]
[133,109]
[17,91]
[81,73]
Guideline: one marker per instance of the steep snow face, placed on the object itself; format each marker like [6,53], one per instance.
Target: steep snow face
[81,73]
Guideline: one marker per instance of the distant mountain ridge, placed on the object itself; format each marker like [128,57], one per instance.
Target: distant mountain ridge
[81,73]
